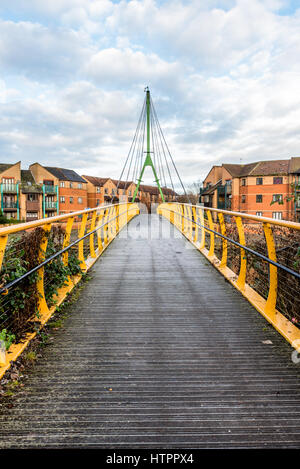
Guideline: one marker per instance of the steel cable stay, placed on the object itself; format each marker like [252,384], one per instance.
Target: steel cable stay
[133,143]
[149,148]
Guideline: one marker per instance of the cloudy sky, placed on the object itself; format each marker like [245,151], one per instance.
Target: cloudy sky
[224,77]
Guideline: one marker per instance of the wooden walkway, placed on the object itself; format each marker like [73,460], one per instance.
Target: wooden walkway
[159,352]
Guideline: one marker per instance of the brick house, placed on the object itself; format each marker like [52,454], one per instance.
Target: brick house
[100,191]
[264,188]
[31,197]
[10,176]
[64,191]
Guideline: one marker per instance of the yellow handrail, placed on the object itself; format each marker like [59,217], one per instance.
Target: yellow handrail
[104,221]
[204,221]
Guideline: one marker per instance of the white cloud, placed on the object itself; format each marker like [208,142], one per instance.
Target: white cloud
[40,52]
[128,67]
[224,76]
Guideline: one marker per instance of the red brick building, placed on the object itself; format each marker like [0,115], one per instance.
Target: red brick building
[264,188]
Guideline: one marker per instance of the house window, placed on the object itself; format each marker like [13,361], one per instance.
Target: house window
[98,189]
[79,185]
[32,197]
[112,192]
[129,193]
[98,202]
[71,185]
[259,181]
[259,198]
[259,214]
[243,182]
[277,180]
[71,200]
[105,191]
[277,215]
[62,200]
[8,181]
[80,200]
[62,184]
[31,215]
[277,198]
[243,199]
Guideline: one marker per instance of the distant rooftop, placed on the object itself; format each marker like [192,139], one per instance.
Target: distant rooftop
[65,174]
[260,168]
[95,180]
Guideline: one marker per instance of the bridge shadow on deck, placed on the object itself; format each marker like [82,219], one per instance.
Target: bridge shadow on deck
[159,352]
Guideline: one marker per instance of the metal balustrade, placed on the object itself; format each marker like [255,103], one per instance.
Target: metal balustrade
[259,256]
[90,236]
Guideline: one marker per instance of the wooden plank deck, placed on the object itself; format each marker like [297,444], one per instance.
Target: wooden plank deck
[159,352]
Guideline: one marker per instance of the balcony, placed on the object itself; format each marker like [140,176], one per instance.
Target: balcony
[49,205]
[8,188]
[49,189]
[10,205]
[32,205]
[225,190]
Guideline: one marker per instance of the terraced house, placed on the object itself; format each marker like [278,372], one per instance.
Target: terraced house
[63,190]
[100,190]
[10,189]
[264,188]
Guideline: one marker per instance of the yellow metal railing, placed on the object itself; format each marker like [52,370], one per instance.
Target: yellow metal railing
[244,248]
[88,232]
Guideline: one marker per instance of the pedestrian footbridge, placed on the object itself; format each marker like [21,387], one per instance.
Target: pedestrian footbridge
[185,335]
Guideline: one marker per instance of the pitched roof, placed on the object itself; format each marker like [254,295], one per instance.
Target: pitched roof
[239,170]
[65,174]
[122,184]
[4,167]
[95,180]
[155,191]
[259,168]
[269,168]
[211,189]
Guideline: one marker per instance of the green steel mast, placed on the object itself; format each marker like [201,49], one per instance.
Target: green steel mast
[148,160]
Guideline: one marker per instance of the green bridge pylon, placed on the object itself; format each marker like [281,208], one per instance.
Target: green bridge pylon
[148,160]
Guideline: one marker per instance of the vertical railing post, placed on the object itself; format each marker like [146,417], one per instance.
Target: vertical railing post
[81,243]
[189,222]
[182,218]
[99,238]
[195,215]
[3,242]
[201,216]
[223,262]
[92,236]
[212,235]
[273,280]
[243,260]
[67,236]
[42,304]
[105,229]
[117,219]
